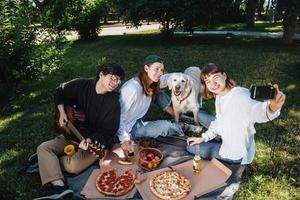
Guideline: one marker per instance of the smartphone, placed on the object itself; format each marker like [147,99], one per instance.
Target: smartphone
[262,91]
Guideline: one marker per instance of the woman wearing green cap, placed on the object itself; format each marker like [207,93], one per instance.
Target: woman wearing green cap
[135,99]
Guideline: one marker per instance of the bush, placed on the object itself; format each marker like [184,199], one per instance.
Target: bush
[17,38]
[48,54]
[27,52]
[85,17]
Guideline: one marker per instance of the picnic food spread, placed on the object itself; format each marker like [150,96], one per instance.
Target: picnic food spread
[109,183]
[170,185]
[150,158]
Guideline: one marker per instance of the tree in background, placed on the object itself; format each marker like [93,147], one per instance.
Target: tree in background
[168,13]
[109,11]
[290,10]
[205,13]
[53,15]
[260,8]
[26,51]
[172,14]
[85,16]
[250,12]
[17,40]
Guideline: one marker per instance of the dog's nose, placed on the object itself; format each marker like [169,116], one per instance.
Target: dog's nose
[177,87]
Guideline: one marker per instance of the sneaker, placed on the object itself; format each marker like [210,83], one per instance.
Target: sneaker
[57,192]
[31,167]
[33,159]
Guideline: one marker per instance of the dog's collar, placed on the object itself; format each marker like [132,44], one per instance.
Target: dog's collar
[184,98]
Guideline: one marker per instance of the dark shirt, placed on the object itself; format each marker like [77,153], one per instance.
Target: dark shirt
[102,111]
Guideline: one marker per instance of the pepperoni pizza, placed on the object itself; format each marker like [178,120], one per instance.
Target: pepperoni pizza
[110,184]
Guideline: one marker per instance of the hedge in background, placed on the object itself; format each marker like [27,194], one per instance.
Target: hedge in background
[27,51]
[17,41]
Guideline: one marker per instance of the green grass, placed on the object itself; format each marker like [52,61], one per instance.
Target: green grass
[29,117]
[260,26]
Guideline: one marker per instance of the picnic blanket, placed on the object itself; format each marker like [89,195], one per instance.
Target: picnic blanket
[173,149]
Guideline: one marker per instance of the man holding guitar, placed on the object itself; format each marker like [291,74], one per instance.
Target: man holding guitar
[100,117]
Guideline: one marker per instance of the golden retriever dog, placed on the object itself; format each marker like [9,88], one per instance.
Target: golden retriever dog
[185,88]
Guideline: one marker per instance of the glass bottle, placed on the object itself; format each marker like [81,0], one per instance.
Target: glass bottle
[196,164]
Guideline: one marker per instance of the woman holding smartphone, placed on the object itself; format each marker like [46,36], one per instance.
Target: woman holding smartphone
[236,114]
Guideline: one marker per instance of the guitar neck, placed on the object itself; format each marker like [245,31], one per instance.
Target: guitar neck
[75,131]
[98,151]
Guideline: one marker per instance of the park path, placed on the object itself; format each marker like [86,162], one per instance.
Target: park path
[122,30]
[118,30]
[241,33]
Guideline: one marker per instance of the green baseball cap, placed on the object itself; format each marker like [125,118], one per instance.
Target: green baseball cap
[152,59]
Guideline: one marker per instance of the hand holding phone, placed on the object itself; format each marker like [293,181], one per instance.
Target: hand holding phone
[262,92]
[277,102]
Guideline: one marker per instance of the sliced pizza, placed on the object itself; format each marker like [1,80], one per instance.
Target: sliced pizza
[110,184]
[170,185]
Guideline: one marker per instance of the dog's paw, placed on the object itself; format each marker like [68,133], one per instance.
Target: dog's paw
[195,129]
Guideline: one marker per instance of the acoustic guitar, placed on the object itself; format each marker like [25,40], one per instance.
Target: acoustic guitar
[76,115]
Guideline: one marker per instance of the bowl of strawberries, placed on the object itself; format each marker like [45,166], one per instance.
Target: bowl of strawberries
[150,158]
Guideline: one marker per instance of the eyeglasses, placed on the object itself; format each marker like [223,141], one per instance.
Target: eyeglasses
[115,79]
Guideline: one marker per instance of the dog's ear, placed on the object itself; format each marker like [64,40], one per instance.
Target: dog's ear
[188,84]
[201,89]
[169,82]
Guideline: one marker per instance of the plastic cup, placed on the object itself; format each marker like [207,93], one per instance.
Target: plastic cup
[69,150]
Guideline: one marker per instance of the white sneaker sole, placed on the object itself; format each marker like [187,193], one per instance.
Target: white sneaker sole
[57,196]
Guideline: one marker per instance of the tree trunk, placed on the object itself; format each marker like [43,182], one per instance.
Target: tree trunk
[166,30]
[260,8]
[267,9]
[289,27]
[250,12]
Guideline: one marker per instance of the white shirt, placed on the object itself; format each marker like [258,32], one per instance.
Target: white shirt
[134,105]
[236,114]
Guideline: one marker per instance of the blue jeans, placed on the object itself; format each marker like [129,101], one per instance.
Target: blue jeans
[205,119]
[163,101]
[209,150]
[153,129]
[157,128]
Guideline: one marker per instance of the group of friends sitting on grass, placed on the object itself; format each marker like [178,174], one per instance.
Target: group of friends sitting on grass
[113,117]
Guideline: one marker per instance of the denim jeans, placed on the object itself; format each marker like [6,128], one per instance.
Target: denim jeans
[204,118]
[153,129]
[209,150]
[163,101]
[157,128]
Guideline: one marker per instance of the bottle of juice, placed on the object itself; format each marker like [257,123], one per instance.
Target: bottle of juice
[197,164]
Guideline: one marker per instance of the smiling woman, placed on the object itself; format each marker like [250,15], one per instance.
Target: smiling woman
[236,114]
[136,97]
[137,94]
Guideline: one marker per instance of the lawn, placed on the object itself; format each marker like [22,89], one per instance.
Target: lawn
[28,119]
[259,26]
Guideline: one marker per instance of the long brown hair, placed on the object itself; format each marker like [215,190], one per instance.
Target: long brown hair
[150,88]
[210,69]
